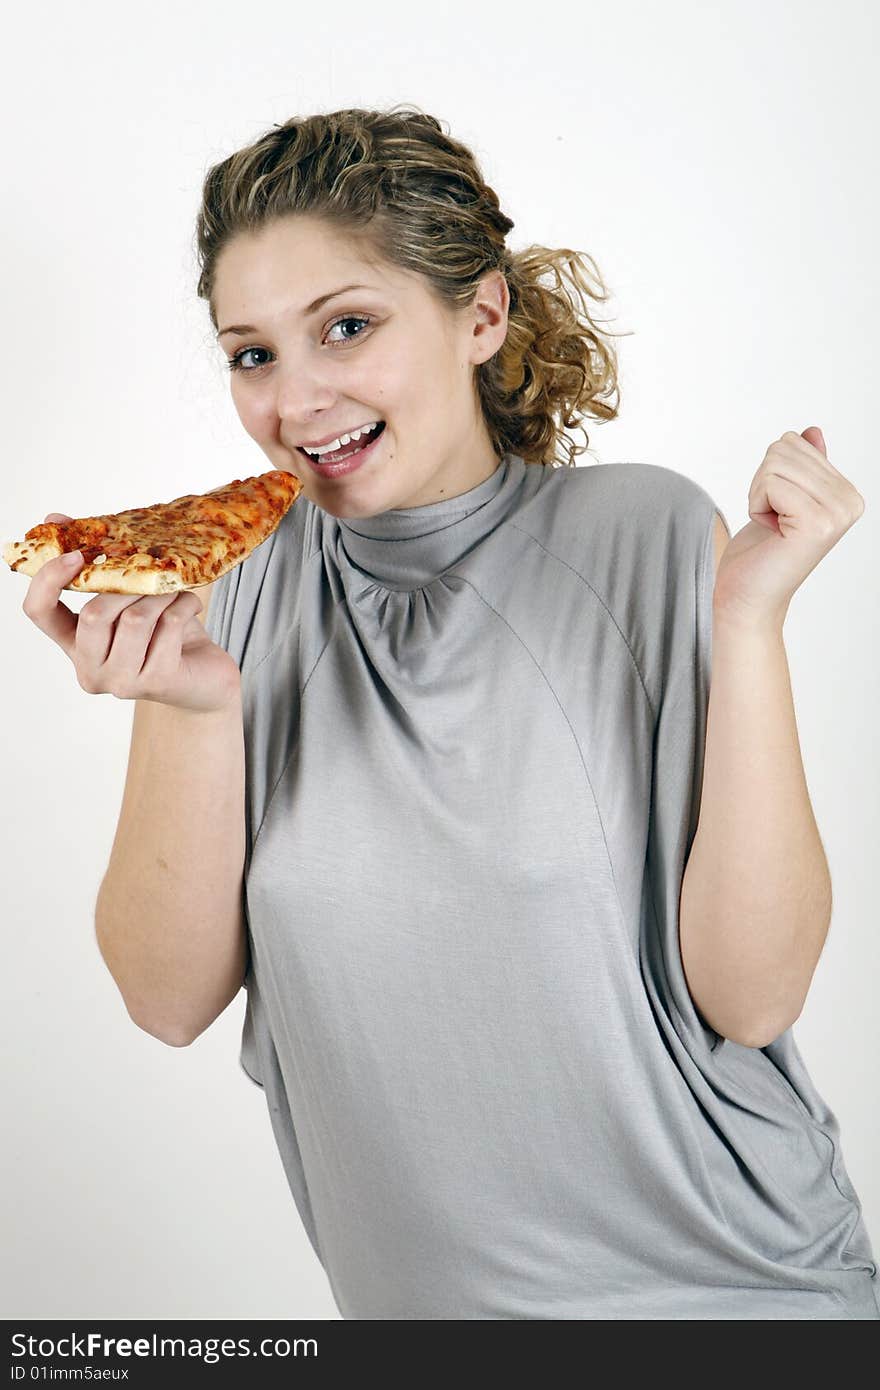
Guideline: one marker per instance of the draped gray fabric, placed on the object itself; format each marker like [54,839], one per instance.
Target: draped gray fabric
[474,737]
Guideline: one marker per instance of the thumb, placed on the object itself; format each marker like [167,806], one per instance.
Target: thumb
[813,435]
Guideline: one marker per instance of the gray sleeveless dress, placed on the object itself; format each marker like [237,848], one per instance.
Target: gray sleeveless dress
[474,734]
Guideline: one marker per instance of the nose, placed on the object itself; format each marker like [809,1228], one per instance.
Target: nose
[304,399]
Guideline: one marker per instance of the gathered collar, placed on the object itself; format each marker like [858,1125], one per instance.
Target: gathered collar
[408,547]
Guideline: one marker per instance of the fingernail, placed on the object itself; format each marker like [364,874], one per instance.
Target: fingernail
[72,557]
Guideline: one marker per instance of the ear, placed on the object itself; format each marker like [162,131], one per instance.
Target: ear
[490,308]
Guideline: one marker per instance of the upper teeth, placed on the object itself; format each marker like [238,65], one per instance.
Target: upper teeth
[343,439]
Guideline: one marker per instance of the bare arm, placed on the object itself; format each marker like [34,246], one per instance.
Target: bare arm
[756,896]
[169,918]
[197,973]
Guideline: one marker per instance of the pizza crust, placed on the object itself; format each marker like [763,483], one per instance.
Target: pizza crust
[135,576]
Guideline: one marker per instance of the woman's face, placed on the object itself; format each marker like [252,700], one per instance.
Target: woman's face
[387,351]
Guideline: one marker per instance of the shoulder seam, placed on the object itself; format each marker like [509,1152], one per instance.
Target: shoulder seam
[551,688]
[287,631]
[599,599]
[318,659]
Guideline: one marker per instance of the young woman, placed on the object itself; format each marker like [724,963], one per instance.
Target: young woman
[436,806]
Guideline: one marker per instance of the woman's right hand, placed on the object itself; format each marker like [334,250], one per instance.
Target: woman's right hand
[136,647]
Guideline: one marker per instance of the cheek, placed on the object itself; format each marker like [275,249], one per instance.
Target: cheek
[382,383]
[256,420]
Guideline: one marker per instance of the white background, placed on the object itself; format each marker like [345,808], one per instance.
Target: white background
[719,162]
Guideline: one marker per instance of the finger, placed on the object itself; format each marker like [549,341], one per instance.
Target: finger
[114,631]
[812,474]
[42,606]
[157,621]
[56,516]
[793,504]
[801,450]
[164,655]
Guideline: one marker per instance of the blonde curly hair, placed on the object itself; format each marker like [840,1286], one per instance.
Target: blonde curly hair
[415,197]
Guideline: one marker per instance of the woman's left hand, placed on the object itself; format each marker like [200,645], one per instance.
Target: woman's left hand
[800,506]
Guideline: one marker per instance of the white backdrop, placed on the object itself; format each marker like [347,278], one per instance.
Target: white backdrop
[719,165]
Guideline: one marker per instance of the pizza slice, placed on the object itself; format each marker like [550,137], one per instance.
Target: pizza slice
[167,546]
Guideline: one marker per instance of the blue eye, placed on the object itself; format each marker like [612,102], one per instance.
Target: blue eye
[235,363]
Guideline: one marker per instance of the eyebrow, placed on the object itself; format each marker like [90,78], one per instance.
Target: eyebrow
[316,304]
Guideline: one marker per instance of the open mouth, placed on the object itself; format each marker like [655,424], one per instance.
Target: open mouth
[345,451]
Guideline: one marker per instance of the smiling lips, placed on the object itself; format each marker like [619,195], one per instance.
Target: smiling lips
[342,461]
[340,440]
